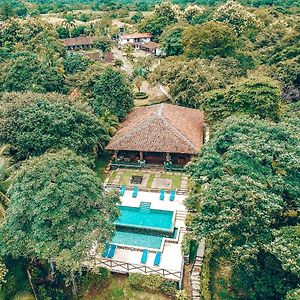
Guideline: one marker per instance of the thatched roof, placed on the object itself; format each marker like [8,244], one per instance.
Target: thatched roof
[161,128]
[79,41]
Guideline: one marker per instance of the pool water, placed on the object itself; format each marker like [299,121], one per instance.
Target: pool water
[159,220]
[137,239]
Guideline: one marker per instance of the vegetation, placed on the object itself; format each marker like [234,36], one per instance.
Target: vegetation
[238,61]
[250,197]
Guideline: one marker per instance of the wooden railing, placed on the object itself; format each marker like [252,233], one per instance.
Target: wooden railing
[119,266]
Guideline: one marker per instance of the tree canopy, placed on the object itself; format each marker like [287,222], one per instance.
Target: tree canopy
[253,96]
[50,217]
[245,187]
[209,39]
[61,124]
[112,92]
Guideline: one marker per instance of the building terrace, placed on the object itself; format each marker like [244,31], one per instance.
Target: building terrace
[158,134]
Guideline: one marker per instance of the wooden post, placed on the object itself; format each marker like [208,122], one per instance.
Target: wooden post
[141,155]
[168,156]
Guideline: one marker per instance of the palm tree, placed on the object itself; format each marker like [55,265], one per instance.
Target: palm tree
[109,124]
[6,167]
[69,22]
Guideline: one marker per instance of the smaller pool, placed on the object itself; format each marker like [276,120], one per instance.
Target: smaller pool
[137,239]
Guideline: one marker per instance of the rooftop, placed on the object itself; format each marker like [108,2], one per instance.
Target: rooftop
[161,128]
[82,40]
[137,35]
[151,45]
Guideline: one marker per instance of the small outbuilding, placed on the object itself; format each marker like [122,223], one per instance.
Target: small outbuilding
[79,43]
[158,134]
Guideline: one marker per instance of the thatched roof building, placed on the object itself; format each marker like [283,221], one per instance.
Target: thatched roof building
[163,128]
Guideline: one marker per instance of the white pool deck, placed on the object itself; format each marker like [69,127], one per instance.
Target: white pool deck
[127,259]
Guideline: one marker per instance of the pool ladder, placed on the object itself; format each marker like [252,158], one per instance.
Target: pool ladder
[145,207]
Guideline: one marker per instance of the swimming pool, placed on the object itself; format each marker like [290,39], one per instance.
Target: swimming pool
[158,220]
[137,239]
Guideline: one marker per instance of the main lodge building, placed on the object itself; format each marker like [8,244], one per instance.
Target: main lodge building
[158,134]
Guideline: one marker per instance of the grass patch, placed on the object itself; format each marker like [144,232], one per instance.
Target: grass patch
[126,176]
[150,181]
[112,176]
[176,180]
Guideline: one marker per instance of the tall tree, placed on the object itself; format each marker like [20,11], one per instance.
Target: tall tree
[69,23]
[35,123]
[245,186]
[112,92]
[58,211]
[171,40]
[253,96]
[209,39]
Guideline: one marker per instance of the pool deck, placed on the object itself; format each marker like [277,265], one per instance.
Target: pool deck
[127,259]
[177,205]
[153,198]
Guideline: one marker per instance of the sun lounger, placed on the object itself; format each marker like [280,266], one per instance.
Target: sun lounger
[157,259]
[105,252]
[172,195]
[122,190]
[162,195]
[135,192]
[144,256]
[112,251]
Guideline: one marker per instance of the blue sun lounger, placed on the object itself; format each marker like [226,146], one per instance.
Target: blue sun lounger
[122,190]
[112,251]
[144,256]
[135,192]
[105,252]
[172,195]
[157,258]
[162,195]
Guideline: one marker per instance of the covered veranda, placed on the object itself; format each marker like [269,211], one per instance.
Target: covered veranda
[161,134]
[154,158]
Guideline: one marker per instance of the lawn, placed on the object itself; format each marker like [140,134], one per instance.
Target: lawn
[150,181]
[113,176]
[176,180]
[117,288]
[125,178]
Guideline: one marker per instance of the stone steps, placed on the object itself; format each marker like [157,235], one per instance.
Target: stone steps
[195,274]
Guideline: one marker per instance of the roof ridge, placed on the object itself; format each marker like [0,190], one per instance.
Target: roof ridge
[174,128]
[137,128]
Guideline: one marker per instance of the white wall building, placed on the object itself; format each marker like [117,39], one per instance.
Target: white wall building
[135,39]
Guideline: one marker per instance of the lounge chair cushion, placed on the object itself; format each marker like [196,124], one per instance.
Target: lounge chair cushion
[112,251]
[157,259]
[144,256]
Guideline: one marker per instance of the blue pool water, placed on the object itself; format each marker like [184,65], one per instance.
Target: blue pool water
[153,219]
[137,239]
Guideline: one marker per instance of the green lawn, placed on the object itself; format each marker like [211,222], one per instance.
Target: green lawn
[125,178]
[176,180]
[112,176]
[150,181]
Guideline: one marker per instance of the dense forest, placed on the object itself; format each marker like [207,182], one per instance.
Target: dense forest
[239,62]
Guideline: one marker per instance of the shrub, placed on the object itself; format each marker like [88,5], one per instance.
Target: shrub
[186,244]
[140,95]
[152,283]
